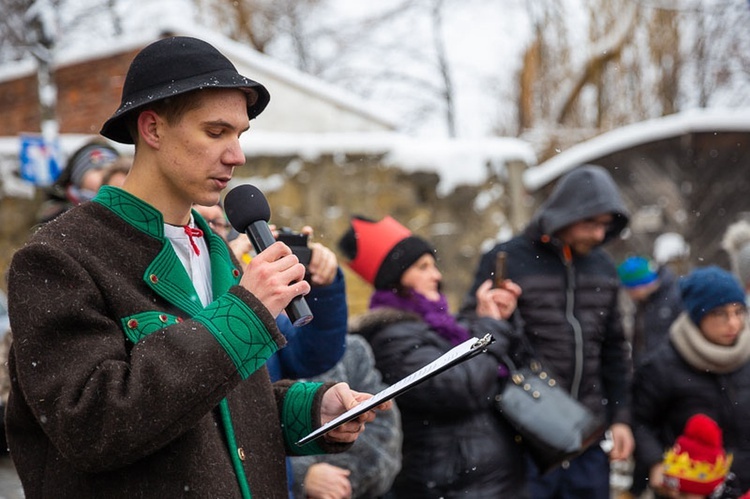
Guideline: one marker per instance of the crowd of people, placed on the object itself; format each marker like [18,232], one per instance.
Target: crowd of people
[156,360]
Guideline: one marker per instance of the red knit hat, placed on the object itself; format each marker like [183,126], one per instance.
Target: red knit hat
[697,463]
[381,251]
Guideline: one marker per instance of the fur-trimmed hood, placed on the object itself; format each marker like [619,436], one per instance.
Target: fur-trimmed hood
[372,321]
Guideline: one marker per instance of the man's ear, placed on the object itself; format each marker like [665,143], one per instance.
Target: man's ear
[149,126]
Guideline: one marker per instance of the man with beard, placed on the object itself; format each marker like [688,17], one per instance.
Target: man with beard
[568,310]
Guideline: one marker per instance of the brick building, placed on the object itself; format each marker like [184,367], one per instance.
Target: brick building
[87,91]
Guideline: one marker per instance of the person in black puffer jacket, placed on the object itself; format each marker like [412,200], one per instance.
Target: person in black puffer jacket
[703,368]
[570,315]
[454,443]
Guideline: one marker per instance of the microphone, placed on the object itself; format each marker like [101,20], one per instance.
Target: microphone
[248,211]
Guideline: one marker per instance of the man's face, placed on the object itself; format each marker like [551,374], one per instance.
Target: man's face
[585,235]
[198,153]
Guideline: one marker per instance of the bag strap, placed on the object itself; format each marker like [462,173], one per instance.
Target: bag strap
[509,364]
[524,349]
[524,345]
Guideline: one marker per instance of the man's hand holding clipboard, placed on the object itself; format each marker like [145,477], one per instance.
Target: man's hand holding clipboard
[352,420]
[342,398]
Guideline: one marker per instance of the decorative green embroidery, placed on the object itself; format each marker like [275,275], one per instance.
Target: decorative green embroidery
[166,274]
[242,334]
[167,277]
[296,417]
[135,211]
[224,274]
[140,325]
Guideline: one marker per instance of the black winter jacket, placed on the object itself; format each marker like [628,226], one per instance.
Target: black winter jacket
[667,391]
[654,316]
[455,445]
[569,305]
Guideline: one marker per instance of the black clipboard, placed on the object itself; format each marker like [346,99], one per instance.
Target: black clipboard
[457,354]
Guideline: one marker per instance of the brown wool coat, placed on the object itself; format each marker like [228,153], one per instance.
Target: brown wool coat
[117,375]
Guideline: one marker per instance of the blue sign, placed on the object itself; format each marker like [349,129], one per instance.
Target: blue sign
[40,162]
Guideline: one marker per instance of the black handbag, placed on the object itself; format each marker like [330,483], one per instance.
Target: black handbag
[552,425]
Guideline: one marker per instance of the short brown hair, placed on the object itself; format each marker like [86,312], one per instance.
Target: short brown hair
[172,109]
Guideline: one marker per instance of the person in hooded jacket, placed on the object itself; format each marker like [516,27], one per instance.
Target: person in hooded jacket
[569,312]
[454,443]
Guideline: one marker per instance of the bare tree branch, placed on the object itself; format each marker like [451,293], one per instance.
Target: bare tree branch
[600,52]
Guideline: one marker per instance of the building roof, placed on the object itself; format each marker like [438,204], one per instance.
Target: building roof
[694,121]
[286,84]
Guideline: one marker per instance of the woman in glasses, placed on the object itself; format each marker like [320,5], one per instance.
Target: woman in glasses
[703,368]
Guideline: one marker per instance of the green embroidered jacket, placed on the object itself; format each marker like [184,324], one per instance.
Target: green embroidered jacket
[123,385]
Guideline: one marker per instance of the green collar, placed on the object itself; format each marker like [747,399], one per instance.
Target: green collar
[166,275]
[132,209]
[140,214]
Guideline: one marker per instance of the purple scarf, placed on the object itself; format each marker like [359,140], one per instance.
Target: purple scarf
[434,313]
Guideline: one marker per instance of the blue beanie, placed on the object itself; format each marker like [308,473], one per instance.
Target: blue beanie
[706,288]
[637,271]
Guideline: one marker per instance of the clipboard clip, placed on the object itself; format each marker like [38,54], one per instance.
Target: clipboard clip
[483,342]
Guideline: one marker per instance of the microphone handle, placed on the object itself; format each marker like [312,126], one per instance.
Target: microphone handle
[261,237]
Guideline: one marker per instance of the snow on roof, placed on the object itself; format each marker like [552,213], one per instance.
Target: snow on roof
[456,161]
[705,120]
[74,55]
[241,54]
[18,69]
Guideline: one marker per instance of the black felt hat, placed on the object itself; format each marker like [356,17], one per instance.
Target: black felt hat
[173,66]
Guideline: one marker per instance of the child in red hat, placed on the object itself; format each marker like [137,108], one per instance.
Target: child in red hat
[697,465]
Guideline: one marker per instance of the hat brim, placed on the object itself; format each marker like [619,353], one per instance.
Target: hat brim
[115,128]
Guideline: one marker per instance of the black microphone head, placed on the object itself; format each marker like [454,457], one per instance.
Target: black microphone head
[244,205]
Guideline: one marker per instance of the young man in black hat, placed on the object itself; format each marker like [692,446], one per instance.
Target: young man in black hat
[139,345]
